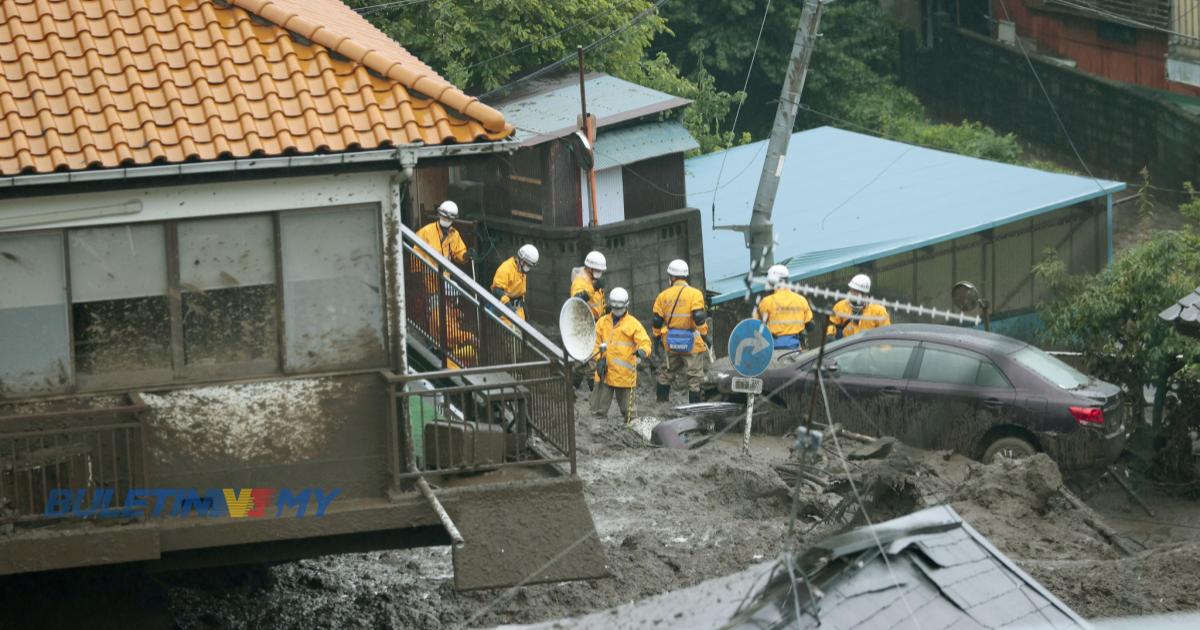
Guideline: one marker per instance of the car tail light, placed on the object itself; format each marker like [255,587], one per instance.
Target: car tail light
[1088,416]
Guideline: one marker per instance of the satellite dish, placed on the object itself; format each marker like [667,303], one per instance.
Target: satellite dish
[578,329]
[965,296]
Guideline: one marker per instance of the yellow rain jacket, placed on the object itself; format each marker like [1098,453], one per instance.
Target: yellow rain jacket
[854,326]
[582,283]
[447,242]
[510,280]
[680,317]
[624,338]
[785,312]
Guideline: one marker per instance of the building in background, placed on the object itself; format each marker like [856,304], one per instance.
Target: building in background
[915,219]
[640,146]
[1150,43]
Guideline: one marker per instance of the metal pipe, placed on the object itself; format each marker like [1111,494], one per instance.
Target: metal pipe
[455,537]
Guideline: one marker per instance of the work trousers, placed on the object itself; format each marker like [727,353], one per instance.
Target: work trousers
[602,398]
[691,365]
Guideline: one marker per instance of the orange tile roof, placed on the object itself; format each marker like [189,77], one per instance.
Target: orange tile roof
[105,83]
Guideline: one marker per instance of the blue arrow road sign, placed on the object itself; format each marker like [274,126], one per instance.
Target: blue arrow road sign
[750,347]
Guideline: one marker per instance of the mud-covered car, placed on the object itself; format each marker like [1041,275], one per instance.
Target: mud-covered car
[944,387]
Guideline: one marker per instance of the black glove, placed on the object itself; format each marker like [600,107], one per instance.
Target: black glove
[602,368]
[598,283]
[841,330]
[641,354]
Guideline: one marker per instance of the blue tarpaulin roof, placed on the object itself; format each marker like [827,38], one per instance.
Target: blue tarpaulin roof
[846,198]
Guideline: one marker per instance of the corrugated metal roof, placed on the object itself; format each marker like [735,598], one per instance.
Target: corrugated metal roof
[847,198]
[552,110]
[641,142]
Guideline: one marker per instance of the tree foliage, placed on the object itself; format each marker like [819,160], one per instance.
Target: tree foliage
[481,44]
[706,118]
[1112,317]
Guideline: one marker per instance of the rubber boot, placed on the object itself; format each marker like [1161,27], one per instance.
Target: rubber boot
[694,397]
[663,393]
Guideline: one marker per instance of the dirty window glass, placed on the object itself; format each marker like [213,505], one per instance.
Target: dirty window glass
[36,352]
[227,290]
[879,359]
[1050,368]
[940,366]
[991,376]
[332,298]
[119,300]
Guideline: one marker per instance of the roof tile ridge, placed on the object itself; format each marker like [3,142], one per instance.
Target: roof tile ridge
[435,87]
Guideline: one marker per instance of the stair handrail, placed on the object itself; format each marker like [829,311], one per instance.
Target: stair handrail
[472,287]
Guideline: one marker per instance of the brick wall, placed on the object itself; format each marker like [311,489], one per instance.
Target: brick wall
[1118,130]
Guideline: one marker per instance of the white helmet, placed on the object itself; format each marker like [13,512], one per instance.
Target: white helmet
[448,209]
[776,275]
[528,254]
[595,261]
[861,282]
[677,269]
[618,299]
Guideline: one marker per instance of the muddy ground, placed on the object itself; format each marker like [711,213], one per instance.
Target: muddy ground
[670,519]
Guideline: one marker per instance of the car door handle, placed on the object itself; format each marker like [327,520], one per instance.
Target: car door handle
[890,391]
[995,403]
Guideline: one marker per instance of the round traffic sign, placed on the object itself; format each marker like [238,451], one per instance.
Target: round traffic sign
[750,347]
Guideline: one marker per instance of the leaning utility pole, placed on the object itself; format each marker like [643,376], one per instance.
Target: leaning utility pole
[761,235]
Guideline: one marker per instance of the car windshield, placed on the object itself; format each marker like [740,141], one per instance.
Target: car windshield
[1050,368]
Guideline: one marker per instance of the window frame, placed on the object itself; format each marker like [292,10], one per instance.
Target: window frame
[180,373]
[982,358]
[909,368]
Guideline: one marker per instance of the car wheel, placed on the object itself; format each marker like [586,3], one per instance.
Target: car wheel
[1009,448]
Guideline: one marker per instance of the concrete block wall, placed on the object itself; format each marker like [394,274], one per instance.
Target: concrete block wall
[1118,129]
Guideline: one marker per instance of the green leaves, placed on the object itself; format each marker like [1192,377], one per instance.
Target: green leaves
[1112,317]
[481,44]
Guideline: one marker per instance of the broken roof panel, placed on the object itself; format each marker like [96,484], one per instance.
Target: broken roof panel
[107,83]
[939,570]
[550,109]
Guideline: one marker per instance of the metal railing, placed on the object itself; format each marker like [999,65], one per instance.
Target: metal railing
[501,382]
[96,453]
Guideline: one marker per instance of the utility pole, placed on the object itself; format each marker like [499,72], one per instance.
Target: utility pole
[587,124]
[761,234]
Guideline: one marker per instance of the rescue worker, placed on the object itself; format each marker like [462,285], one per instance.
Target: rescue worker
[588,283]
[785,312]
[859,306]
[509,282]
[681,330]
[621,343]
[442,236]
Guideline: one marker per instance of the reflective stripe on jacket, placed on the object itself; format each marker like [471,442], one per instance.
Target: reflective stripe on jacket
[624,339]
[509,279]
[785,312]
[680,317]
[451,245]
[854,326]
[582,283]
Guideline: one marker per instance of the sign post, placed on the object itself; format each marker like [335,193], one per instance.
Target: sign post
[750,348]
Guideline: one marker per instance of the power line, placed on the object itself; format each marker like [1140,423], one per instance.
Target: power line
[549,37]
[600,41]
[376,8]
[1084,5]
[1050,102]
[738,113]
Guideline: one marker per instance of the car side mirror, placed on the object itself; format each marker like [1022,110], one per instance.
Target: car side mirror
[829,366]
